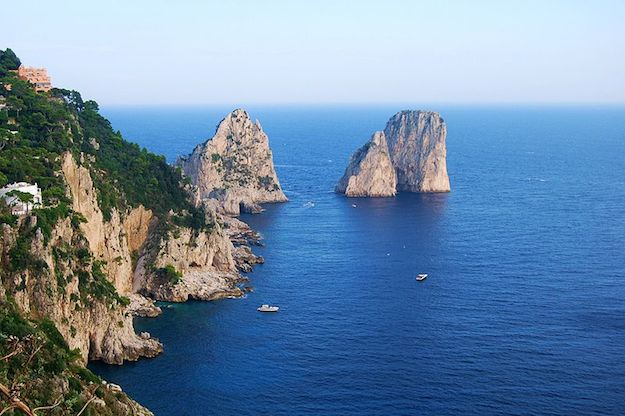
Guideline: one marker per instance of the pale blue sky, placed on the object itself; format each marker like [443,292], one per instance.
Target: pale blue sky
[389,51]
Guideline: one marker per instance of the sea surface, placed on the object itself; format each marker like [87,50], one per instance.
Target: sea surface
[523,311]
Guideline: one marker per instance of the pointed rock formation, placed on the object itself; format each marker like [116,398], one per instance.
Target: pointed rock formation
[234,168]
[415,153]
[416,141]
[370,171]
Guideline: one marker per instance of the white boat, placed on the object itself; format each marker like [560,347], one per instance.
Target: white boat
[268,308]
[421,277]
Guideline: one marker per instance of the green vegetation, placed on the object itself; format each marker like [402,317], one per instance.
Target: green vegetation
[36,131]
[96,284]
[38,369]
[5,214]
[44,126]
[266,182]
[48,217]
[23,197]
[8,61]
[169,274]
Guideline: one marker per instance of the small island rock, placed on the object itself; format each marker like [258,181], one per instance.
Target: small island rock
[409,156]
[416,141]
[370,171]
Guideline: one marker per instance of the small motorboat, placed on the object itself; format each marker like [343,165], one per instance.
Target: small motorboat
[268,308]
[421,277]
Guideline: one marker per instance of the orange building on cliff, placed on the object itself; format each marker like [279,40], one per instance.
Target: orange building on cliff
[37,76]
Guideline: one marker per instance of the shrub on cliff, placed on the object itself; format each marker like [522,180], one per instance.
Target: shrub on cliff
[169,274]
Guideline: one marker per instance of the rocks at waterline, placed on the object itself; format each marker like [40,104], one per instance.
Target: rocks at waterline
[415,143]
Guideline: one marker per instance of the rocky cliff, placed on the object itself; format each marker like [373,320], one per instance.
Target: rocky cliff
[413,143]
[67,286]
[416,141]
[200,261]
[116,224]
[203,262]
[111,241]
[82,273]
[96,263]
[370,171]
[234,170]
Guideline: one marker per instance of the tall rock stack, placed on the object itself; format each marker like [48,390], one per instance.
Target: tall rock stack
[234,170]
[370,171]
[417,152]
[416,141]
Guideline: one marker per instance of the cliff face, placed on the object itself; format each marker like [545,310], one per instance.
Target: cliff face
[235,168]
[416,151]
[85,253]
[62,289]
[75,265]
[416,141]
[370,171]
[116,222]
[102,328]
[203,260]
[110,241]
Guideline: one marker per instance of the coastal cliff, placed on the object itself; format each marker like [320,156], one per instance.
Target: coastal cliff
[370,171]
[414,144]
[117,228]
[233,171]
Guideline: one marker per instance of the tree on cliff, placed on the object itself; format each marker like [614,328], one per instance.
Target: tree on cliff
[8,61]
[24,197]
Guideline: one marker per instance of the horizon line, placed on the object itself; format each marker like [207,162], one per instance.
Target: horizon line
[380,104]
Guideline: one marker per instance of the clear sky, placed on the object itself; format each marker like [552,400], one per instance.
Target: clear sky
[277,51]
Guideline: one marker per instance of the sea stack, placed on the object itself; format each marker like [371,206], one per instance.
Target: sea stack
[415,143]
[234,169]
[370,171]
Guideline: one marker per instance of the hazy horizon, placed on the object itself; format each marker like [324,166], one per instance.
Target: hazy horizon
[323,53]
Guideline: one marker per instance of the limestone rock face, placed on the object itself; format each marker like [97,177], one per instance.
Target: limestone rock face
[111,241]
[416,141]
[125,250]
[412,146]
[101,329]
[235,167]
[204,260]
[370,171]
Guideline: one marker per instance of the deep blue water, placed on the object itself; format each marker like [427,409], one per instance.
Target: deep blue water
[523,312]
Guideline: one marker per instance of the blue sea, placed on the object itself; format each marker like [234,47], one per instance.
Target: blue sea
[523,311]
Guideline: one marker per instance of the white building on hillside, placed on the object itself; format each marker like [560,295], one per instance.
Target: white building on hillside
[19,206]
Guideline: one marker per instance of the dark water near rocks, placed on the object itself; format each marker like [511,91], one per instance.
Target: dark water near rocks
[523,312]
